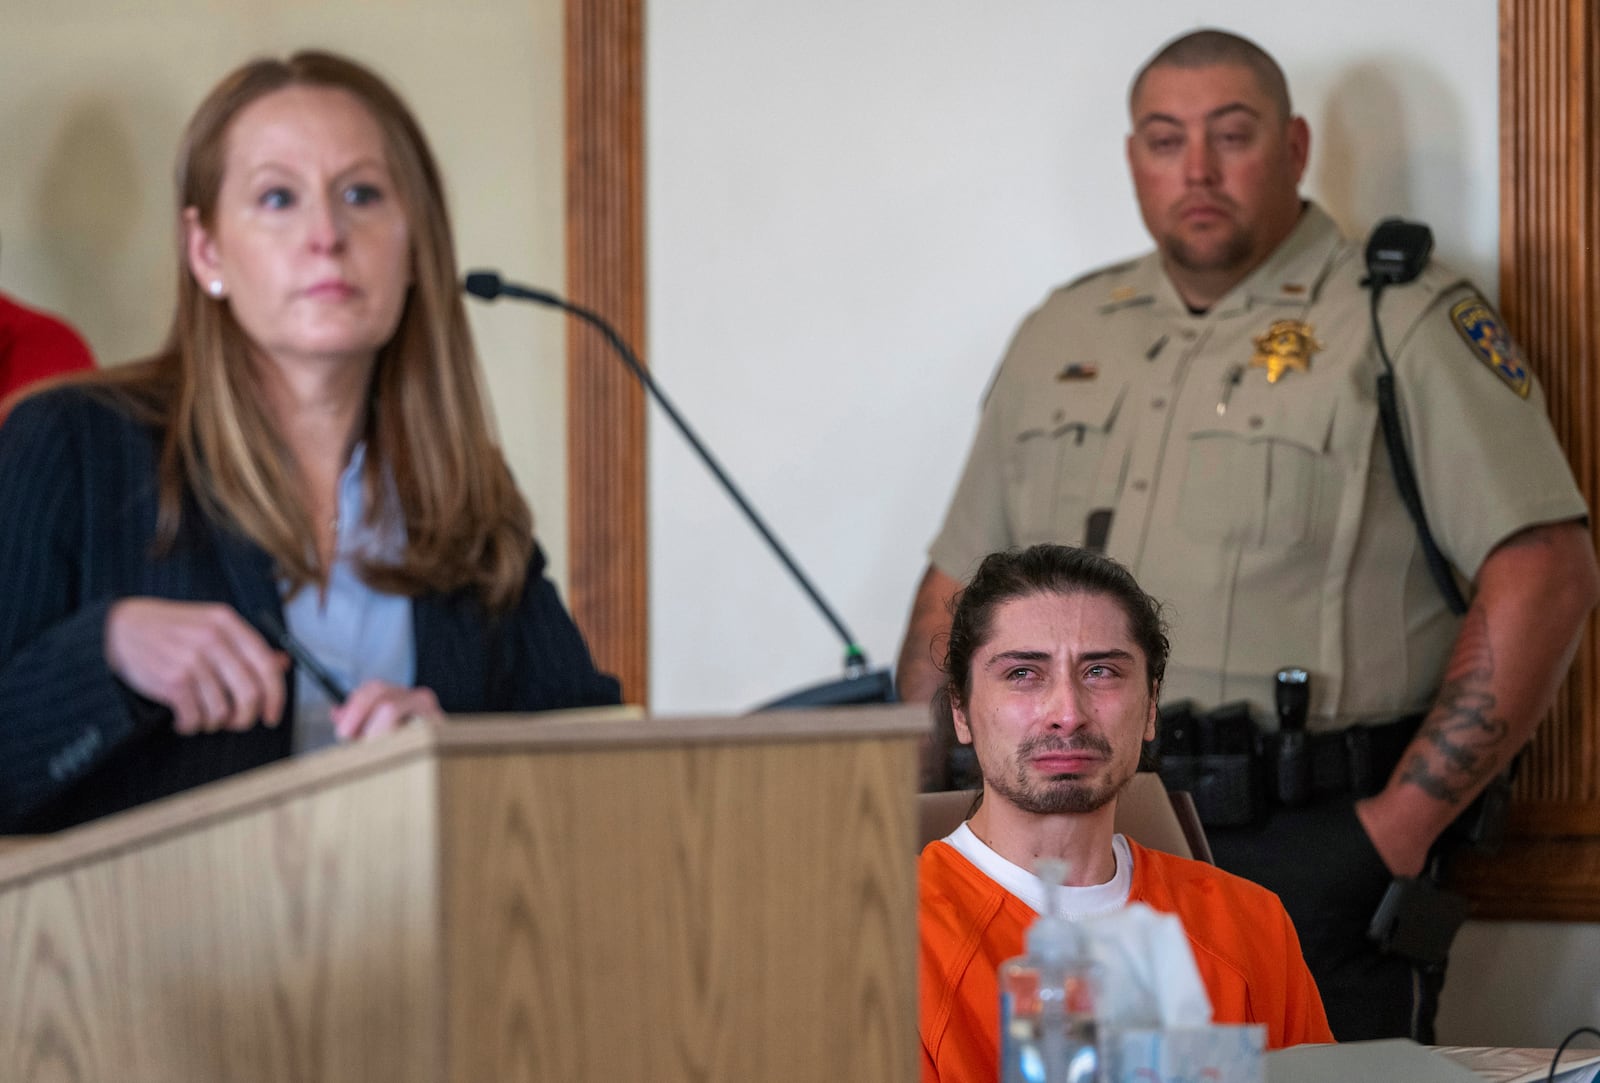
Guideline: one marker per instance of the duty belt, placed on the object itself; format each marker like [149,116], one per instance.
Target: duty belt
[1236,773]
[1357,760]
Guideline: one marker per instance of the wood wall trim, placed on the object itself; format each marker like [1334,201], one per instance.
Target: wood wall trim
[1550,297]
[608,553]
[1536,879]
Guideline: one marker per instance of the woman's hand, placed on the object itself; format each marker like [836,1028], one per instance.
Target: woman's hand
[378,707]
[201,659]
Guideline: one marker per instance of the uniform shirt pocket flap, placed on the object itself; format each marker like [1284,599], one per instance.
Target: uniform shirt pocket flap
[1077,413]
[1301,420]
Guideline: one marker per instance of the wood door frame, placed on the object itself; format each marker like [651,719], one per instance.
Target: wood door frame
[608,540]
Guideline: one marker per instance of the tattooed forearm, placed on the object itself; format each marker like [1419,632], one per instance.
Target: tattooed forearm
[1462,742]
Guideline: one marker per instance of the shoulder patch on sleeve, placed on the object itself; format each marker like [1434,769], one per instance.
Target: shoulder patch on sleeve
[1488,338]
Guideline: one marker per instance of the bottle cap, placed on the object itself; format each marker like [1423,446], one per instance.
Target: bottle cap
[1053,938]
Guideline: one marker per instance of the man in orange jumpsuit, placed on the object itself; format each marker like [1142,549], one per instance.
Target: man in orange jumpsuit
[1054,663]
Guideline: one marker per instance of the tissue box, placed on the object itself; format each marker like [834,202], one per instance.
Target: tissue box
[1216,1054]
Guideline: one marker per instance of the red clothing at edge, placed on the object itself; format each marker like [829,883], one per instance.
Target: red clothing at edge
[1244,945]
[34,345]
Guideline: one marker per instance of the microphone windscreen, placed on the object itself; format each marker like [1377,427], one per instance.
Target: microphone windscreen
[484,284]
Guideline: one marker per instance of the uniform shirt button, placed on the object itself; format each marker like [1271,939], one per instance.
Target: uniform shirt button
[1256,422]
[1187,334]
[1141,485]
[1158,403]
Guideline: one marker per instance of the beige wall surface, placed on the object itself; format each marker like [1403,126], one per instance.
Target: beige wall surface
[1526,983]
[94,94]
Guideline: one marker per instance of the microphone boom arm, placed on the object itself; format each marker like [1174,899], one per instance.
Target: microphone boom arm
[488,286]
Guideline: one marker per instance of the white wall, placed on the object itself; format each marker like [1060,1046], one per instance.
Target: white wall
[852,205]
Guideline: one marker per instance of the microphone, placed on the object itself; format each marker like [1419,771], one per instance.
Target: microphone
[486,285]
[860,684]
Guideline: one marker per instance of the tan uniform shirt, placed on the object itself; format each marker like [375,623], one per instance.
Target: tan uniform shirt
[1264,514]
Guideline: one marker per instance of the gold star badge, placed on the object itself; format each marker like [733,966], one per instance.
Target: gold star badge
[1287,344]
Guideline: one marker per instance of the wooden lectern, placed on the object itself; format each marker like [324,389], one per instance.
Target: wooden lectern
[561,898]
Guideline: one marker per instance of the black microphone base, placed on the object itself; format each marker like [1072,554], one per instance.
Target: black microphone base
[873,686]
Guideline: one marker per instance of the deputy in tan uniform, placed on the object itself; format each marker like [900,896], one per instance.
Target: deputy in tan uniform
[1207,416]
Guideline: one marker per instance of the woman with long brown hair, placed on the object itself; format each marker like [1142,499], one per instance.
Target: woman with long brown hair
[310,449]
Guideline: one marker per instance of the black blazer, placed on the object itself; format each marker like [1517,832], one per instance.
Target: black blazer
[77,523]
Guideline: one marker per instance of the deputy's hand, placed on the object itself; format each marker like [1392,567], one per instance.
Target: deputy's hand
[378,707]
[1394,832]
[201,659]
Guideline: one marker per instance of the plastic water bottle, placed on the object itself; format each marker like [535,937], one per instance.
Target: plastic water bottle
[1047,1000]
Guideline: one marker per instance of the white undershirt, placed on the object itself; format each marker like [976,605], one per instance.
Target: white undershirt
[1075,902]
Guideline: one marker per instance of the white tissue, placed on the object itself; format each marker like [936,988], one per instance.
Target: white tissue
[1148,975]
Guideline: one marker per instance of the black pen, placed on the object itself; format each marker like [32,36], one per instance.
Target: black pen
[303,657]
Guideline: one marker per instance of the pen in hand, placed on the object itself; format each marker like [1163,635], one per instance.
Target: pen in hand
[297,650]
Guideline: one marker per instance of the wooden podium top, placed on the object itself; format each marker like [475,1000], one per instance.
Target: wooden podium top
[24,859]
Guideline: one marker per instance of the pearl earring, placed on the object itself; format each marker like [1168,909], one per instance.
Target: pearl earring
[215,289]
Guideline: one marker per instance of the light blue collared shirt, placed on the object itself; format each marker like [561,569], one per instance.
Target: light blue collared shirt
[356,632]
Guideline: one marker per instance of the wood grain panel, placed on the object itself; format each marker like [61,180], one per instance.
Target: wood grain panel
[1549,52]
[293,941]
[1536,879]
[543,898]
[699,866]
[1550,297]
[608,555]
